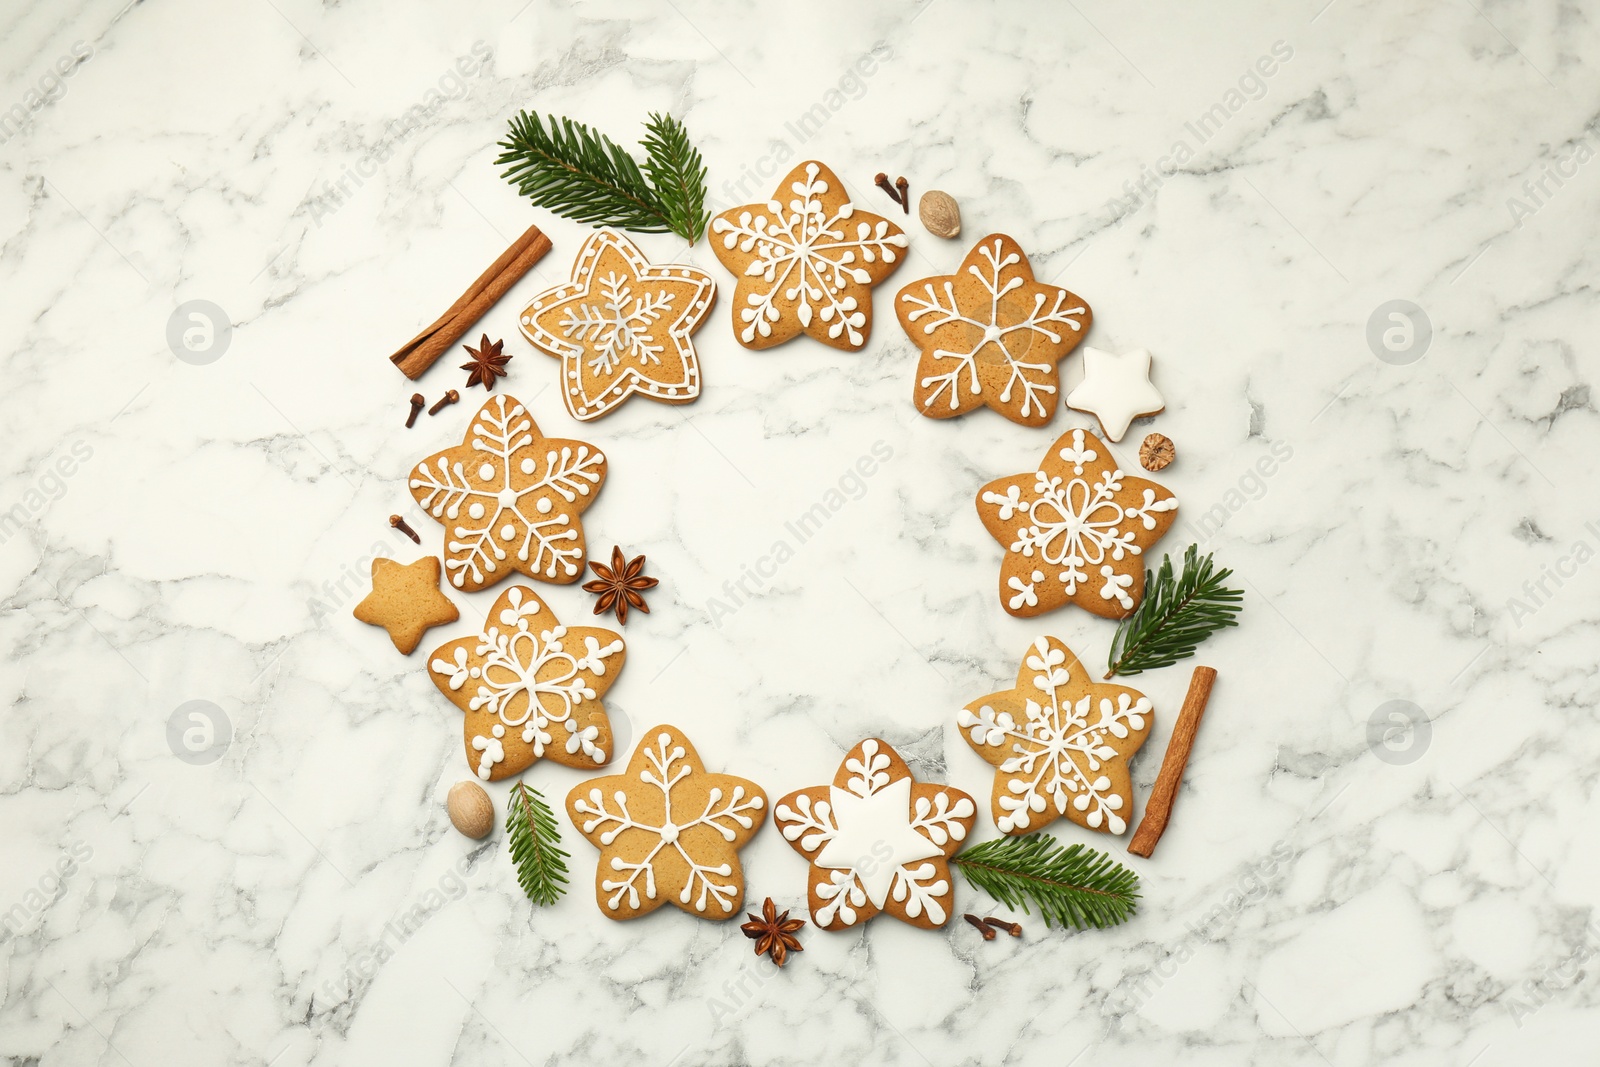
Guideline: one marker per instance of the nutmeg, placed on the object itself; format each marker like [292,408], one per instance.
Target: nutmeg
[471,810]
[1157,451]
[940,214]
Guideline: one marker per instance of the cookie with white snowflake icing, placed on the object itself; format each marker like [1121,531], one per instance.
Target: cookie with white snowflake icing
[621,327]
[530,687]
[806,261]
[1075,530]
[878,840]
[991,334]
[668,830]
[510,499]
[1060,744]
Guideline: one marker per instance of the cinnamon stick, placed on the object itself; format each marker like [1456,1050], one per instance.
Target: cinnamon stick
[419,353]
[1159,810]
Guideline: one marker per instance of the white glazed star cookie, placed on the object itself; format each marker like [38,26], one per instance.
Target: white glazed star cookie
[621,327]
[1116,389]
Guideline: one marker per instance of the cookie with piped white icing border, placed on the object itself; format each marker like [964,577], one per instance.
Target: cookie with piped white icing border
[530,687]
[668,831]
[621,327]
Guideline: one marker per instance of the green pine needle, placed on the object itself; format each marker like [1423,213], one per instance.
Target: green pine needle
[1175,615]
[583,175]
[535,845]
[677,175]
[1073,885]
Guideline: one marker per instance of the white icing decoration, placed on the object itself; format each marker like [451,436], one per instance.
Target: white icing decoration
[797,239]
[874,839]
[668,767]
[1060,749]
[548,544]
[1116,389]
[1073,525]
[519,661]
[940,308]
[612,330]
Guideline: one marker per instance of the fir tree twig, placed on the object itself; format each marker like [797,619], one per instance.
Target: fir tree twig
[1073,885]
[1175,615]
[535,843]
[582,174]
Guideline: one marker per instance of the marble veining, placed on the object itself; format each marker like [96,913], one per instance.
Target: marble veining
[1384,848]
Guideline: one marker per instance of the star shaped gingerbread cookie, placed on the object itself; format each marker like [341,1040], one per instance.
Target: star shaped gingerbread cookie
[1075,530]
[406,601]
[668,830]
[530,687]
[621,327]
[1116,389]
[1059,742]
[510,499]
[991,334]
[806,261]
[878,840]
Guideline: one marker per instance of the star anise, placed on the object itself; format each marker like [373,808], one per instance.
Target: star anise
[488,363]
[773,933]
[620,585]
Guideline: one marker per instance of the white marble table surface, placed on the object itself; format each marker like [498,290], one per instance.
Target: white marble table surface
[174,530]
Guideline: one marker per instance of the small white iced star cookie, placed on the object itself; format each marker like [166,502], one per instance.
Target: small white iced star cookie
[1116,389]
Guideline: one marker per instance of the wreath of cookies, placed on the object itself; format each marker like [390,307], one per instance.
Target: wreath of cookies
[1074,528]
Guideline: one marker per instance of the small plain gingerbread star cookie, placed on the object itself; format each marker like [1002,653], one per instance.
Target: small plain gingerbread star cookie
[1116,389]
[1075,530]
[530,687]
[510,498]
[878,840]
[1059,743]
[668,830]
[991,334]
[406,601]
[621,327]
[806,261]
